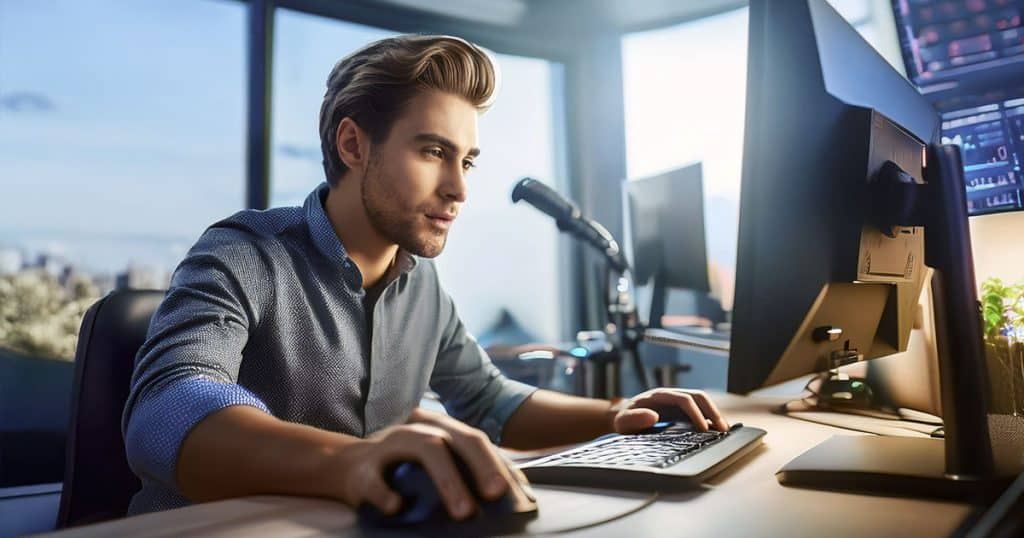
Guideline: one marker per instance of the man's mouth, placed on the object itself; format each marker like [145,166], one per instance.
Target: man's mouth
[441,220]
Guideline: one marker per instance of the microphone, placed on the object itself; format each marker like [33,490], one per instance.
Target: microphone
[569,219]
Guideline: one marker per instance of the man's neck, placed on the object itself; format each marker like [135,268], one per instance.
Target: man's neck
[372,253]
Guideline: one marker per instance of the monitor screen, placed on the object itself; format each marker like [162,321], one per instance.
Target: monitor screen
[967,58]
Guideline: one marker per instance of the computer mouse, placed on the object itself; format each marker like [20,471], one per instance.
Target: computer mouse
[422,505]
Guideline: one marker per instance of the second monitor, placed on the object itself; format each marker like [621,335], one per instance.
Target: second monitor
[664,224]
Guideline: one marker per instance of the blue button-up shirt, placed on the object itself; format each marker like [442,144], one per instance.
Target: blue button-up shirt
[268,310]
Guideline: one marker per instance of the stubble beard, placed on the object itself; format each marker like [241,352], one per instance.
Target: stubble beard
[400,225]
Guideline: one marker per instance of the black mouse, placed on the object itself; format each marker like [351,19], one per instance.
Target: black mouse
[422,505]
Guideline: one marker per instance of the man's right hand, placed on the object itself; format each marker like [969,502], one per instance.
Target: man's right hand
[431,440]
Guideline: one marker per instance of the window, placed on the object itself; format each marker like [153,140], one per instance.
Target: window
[499,255]
[306,47]
[685,90]
[502,255]
[121,139]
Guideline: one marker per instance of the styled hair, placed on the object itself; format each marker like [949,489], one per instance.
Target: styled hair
[374,84]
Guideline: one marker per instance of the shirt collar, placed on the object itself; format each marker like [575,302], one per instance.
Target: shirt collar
[320,229]
[328,242]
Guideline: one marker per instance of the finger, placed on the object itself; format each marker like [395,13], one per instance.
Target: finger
[707,405]
[489,471]
[516,472]
[437,460]
[681,400]
[635,420]
[377,493]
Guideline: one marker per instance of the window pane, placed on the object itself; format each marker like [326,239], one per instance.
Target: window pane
[685,92]
[306,47]
[121,139]
[499,255]
[504,255]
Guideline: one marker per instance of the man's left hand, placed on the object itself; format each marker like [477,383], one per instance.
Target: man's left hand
[641,411]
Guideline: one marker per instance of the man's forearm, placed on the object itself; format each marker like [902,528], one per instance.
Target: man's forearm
[241,450]
[550,418]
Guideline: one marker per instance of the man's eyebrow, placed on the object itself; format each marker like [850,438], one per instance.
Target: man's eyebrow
[442,141]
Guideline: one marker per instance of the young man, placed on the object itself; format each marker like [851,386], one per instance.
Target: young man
[294,344]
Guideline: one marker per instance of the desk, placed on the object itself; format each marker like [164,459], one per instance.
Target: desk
[744,500]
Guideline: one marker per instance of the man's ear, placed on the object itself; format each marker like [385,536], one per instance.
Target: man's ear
[352,144]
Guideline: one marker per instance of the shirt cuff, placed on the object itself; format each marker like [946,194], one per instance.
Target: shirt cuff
[163,418]
[512,395]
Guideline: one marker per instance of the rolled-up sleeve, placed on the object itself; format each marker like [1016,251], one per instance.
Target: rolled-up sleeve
[188,366]
[472,389]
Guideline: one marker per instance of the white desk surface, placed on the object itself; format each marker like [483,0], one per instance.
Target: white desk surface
[744,500]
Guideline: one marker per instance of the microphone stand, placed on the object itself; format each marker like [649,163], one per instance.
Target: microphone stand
[623,329]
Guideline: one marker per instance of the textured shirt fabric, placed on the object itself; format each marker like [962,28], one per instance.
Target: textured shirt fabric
[267,310]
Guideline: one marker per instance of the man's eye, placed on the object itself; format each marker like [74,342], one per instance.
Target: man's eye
[467,164]
[435,152]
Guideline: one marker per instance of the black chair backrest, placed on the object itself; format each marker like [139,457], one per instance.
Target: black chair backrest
[98,484]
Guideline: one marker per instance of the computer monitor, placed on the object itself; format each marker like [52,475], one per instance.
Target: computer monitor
[967,59]
[664,224]
[835,138]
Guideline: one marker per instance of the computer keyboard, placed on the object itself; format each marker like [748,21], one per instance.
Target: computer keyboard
[674,457]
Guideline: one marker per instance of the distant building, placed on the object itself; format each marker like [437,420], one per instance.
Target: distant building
[11,261]
[105,283]
[141,277]
[50,263]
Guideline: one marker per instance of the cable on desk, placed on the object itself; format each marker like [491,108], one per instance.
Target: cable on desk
[647,502]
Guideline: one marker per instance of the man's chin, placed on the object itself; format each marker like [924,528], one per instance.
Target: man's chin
[426,247]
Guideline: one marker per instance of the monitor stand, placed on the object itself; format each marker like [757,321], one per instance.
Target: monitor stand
[886,465]
[961,466]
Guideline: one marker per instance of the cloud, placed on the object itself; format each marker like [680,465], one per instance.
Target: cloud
[295,151]
[27,102]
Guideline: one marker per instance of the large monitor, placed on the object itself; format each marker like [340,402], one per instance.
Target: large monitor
[967,59]
[664,224]
[840,153]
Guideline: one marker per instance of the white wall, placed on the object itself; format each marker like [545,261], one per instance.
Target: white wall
[997,245]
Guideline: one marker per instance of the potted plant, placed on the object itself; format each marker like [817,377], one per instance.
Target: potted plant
[1003,314]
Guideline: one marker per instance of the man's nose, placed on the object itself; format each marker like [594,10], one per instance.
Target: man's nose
[454,185]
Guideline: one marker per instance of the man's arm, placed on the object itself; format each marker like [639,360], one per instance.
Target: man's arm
[240,450]
[550,418]
[471,387]
[191,427]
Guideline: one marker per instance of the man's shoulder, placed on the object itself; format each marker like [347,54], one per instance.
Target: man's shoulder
[251,229]
[265,222]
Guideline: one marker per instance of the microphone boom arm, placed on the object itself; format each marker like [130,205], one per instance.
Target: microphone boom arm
[625,329]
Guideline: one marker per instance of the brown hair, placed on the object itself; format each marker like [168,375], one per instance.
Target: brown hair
[373,85]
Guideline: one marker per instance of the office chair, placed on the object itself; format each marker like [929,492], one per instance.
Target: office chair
[98,484]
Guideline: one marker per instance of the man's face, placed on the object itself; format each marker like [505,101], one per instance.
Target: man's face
[415,181]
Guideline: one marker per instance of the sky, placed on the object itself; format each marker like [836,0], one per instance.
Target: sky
[138,139]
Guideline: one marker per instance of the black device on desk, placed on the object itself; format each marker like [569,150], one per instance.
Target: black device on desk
[837,150]
[423,508]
